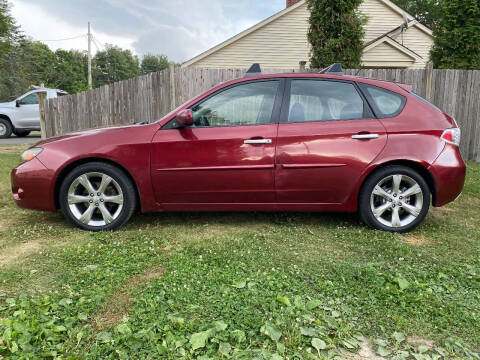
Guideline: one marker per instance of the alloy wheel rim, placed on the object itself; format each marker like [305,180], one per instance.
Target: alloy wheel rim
[95,199]
[3,129]
[396,201]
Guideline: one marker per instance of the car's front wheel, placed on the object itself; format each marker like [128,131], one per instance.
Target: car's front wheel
[97,197]
[395,199]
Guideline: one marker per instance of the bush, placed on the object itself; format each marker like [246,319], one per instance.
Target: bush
[457,35]
[336,33]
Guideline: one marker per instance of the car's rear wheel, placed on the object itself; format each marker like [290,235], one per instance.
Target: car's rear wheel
[395,199]
[21,133]
[5,128]
[97,197]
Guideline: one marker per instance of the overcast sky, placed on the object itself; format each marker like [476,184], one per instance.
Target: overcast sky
[181,29]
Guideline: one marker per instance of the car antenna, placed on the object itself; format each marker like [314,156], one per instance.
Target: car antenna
[334,69]
[358,71]
[255,70]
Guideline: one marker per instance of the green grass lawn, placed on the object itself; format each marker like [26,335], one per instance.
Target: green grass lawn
[239,285]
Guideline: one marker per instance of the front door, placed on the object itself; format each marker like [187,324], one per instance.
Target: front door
[227,156]
[326,139]
[28,114]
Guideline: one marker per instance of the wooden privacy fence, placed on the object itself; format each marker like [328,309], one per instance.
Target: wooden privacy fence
[149,97]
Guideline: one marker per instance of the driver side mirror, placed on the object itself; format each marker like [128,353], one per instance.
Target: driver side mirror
[18,103]
[184,118]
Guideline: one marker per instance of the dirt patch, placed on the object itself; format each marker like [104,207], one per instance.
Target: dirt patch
[418,341]
[13,149]
[416,240]
[12,254]
[114,312]
[366,353]
[439,214]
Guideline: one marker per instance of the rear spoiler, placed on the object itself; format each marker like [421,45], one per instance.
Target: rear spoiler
[406,87]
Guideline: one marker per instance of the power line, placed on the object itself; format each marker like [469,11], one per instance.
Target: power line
[97,43]
[72,38]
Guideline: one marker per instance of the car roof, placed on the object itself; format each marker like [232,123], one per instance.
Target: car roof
[389,85]
[47,89]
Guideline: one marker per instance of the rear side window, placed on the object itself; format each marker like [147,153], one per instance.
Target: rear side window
[320,100]
[387,103]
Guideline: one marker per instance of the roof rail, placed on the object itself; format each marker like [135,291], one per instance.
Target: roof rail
[334,69]
[254,70]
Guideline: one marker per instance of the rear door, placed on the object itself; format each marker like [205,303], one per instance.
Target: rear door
[326,138]
[227,156]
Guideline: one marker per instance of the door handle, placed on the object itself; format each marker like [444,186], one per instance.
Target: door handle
[365,136]
[258,141]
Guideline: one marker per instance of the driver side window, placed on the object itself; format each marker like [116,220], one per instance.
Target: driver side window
[246,104]
[31,99]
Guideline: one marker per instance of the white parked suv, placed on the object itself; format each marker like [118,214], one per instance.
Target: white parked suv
[22,115]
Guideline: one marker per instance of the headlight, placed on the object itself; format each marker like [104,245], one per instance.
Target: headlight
[31,154]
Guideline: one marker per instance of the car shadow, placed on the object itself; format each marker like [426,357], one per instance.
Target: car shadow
[193,219]
[241,218]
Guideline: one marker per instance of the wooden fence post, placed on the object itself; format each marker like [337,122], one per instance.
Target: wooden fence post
[302,66]
[41,104]
[428,81]
[172,86]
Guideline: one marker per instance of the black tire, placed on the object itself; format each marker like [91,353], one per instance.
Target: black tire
[5,128]
[365,199]
[21,133]
[120,179]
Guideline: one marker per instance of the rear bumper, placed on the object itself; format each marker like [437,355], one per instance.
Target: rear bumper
[449,172]
[31,186]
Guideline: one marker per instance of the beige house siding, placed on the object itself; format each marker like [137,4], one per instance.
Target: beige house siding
[381,19]
[281,42]
[420,42]
[277,45]
[384,55]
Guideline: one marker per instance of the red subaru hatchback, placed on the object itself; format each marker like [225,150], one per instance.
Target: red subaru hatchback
[283,142]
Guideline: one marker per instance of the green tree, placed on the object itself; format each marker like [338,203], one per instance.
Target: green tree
[426,11]
[10,38]
[153,63]
[336,33]
[114,64]
[457,35]
[37,63]
[70,71]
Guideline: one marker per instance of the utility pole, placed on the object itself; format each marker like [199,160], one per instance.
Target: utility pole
[89,57]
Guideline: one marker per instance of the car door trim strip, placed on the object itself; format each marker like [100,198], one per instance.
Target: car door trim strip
[310,166]
[220,168]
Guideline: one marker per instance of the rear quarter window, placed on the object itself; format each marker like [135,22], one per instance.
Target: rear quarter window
[386,103]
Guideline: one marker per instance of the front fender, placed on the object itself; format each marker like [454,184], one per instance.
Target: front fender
[128,148]
[8,113]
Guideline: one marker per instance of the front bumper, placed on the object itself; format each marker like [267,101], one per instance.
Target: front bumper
[449,172]
[31,186]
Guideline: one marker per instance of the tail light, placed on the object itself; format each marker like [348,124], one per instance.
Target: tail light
[452,136]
